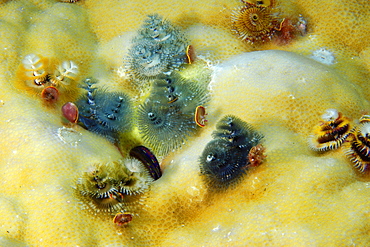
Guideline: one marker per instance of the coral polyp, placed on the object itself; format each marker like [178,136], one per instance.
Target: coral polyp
[254,23]
[226,159]
[105,113]
[330,133]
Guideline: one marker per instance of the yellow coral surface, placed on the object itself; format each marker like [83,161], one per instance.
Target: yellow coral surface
[296,197]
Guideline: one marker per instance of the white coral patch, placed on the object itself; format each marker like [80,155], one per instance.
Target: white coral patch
[330,115]
[323,56]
